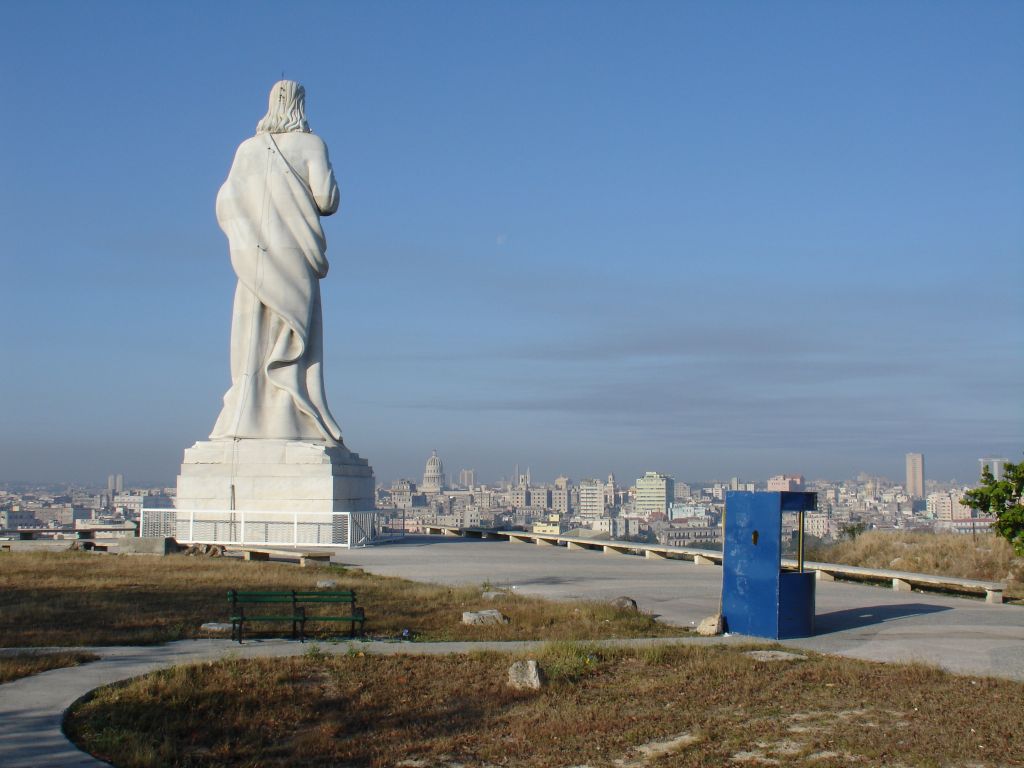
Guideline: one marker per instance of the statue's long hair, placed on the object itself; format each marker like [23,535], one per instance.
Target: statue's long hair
[287,109]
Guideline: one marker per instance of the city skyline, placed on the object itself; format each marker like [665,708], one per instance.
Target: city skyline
[708,240]
[456,477]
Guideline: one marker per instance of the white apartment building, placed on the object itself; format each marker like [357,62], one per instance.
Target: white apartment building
[591,504]
[540,497]
[817,524]
[132,503]
[561,496]
[691,510]
[947,506]
[467,517]
[655,493]
[522,497]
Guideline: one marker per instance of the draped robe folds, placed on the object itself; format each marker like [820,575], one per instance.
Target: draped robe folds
[270,208]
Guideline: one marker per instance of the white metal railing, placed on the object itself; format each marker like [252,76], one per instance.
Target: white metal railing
[283,528]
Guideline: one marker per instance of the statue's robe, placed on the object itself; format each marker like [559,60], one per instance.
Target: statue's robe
[270,208]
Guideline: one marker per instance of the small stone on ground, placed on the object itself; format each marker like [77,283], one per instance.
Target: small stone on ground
[710,626]
[326,584]
[491,616]
[215,626]
[526,675]
[774,656]
[656,749]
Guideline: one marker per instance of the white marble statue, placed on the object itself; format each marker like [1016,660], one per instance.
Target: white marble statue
[280,184]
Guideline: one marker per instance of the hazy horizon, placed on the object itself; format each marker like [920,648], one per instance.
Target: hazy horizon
[707,239]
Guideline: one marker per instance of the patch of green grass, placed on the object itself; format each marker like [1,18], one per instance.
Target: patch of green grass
[15,666]
[680,706]
[75,598]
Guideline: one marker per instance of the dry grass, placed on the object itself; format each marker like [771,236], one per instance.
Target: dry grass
[985,556]
[15,666]
[678,706]
[78,598]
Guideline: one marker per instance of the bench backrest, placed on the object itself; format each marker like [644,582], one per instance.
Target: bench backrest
[235,597]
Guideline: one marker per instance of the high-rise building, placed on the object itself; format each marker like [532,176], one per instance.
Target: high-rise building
[467,478]
[996,466]
[433,475]
[561,496]
[591,504]
[655,493]
[915,475]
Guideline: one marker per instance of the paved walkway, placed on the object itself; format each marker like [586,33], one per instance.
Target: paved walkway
[962,635]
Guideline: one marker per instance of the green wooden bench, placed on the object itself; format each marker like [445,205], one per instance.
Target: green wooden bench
[291,608]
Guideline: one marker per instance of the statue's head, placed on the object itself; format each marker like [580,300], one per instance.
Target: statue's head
[287,109]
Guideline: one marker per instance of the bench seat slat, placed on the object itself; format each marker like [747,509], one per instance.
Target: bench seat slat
[249,620]
[262,600]
[326,599]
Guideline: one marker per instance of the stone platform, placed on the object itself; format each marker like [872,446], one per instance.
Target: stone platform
[274,476]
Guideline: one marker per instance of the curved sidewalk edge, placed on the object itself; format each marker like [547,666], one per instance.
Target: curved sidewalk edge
[32,709]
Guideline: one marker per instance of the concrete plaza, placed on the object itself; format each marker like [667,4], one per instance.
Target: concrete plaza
[962,635]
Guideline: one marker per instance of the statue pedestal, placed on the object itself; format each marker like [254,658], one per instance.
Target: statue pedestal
[274,476]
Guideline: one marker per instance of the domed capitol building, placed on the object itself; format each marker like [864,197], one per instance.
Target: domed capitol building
[433,475]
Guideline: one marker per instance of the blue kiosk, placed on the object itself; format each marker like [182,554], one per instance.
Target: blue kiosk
[759,598]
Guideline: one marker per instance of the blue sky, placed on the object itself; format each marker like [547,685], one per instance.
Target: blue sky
[711,239]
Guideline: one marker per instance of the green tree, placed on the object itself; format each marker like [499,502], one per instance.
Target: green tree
[853,530]
[1002,499]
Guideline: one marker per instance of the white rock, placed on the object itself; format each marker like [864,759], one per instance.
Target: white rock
[711,626]
[526,675]
[774,656]
[484,617]
[215,626]
[326,584]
